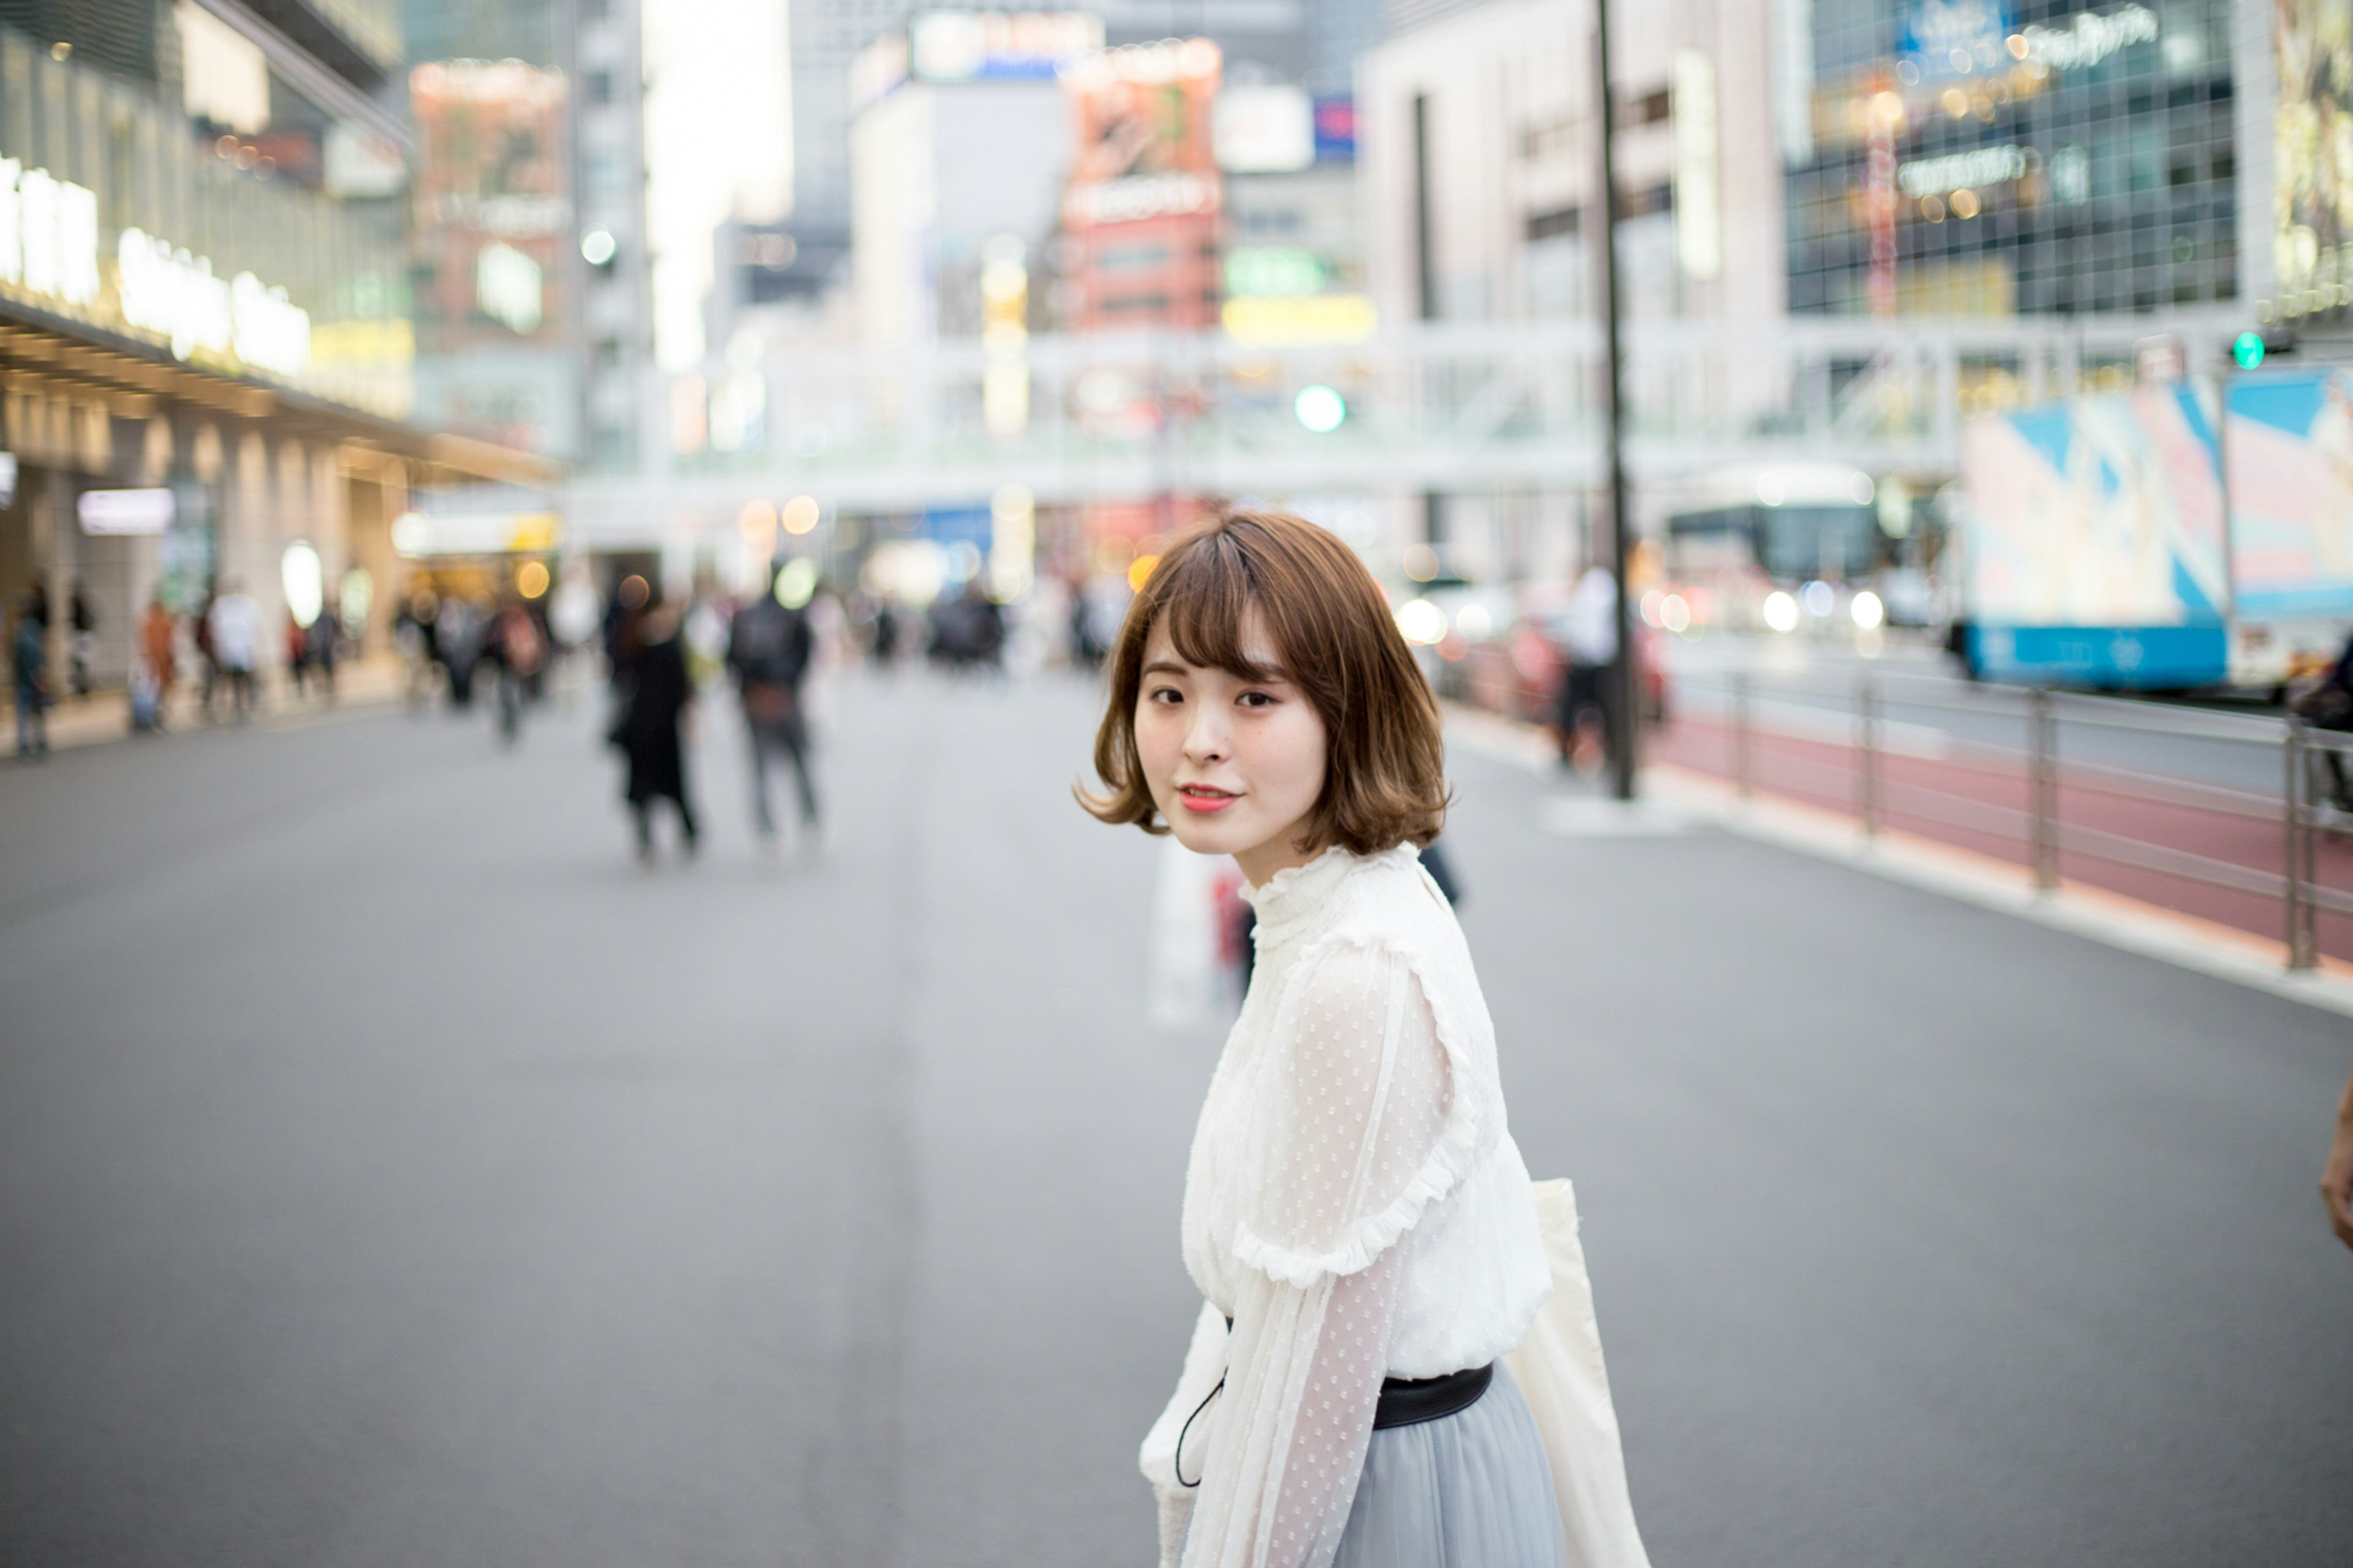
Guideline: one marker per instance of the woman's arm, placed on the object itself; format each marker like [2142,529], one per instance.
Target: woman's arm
[1173,1449]
[2337,1177]
[1343,1165]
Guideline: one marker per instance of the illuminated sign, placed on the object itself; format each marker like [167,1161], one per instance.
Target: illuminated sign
[1138,197]
[1272,272]
[1264,128]
[997,46]
[418,534]
[1976,167]
[1324,319]
[1699,220]
[507,287]
[49,233]
[2086,39]
[1953,37]
[176,295]
[125,512]
[1335,129]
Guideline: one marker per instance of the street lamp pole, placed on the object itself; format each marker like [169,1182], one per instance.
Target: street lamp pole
[1625,723]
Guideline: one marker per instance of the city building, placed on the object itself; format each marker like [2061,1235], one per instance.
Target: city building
[497,297]
[1477,132]
[528,225]
[958,153]
[608,148]
[1962,158]
[1142,211]
[206,342]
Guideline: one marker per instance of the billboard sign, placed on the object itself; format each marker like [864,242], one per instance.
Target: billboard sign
[2289,450]
[2098,540]
[2312,120]
[1143,117]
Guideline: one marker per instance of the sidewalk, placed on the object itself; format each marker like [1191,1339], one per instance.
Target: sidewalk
[361,685]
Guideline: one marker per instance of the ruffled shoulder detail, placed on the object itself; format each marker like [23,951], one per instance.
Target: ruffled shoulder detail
[1349,959]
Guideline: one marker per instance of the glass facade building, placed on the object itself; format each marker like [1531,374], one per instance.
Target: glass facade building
[2001,157]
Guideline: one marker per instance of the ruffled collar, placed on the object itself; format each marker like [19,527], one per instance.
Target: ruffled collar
[1295,895]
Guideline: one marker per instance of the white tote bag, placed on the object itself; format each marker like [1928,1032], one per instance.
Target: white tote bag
[1560,1370]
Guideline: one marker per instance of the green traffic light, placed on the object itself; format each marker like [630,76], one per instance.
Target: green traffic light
[2248,351]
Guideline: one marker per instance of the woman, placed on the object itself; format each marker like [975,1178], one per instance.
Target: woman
[647,733]
[1355,1212]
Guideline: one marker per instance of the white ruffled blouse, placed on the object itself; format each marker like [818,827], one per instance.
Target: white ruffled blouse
[1354,1205]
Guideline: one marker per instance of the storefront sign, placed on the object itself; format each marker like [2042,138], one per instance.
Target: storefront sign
[49,233]
[125,512]
[419,533]
[175,294]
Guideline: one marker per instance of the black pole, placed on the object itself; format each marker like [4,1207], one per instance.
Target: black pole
[1625,723]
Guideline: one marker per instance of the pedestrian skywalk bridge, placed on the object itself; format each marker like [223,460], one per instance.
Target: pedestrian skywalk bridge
[1432,407]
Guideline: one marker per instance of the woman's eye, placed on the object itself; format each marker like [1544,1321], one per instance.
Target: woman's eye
[1257,700]
[1167,695]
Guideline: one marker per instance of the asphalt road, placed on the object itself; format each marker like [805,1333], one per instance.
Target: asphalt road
[392,1174]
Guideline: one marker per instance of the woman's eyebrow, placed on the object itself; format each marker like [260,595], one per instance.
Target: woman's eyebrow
[1166,666]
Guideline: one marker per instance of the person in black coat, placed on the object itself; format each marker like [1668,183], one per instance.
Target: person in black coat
[648,733]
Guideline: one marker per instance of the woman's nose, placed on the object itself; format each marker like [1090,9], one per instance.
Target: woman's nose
[1206,740]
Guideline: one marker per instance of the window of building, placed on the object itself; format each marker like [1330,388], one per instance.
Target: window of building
[1652,108]
[1560,223]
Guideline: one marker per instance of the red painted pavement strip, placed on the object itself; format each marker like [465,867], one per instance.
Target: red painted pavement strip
[1822,774]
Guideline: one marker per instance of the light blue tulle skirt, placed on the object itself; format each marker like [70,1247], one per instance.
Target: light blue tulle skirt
[1472,1489]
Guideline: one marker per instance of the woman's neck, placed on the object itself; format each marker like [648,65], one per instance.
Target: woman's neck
[1277,854]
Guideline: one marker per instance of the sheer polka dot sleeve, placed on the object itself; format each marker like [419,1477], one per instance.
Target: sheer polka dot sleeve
[1353,1114]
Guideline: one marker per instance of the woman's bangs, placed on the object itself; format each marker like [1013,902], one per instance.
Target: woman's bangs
[1206,600]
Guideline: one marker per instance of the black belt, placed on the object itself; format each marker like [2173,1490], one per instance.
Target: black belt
[1411,1401]
[1404,1402]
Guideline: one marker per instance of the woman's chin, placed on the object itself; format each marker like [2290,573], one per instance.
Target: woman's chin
[1206,834]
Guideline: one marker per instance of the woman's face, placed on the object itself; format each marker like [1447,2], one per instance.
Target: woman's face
[1234,766]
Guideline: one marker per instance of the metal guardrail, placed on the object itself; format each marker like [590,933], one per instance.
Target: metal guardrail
[2039,830]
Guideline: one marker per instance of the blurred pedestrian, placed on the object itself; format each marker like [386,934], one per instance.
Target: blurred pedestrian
[885,650]
[769,647]
[658,698]
[517,646]
[200,631]
[298,655]
[318,646]
[2337,1177]
[158,636]
[2330,706]
[412,634]
[458,643]
[236,624]
[1589,638]
[1356,1214]
[84,645]
[29,659]
[968,631]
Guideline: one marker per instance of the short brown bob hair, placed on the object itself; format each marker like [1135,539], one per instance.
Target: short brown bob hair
[1385,767]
